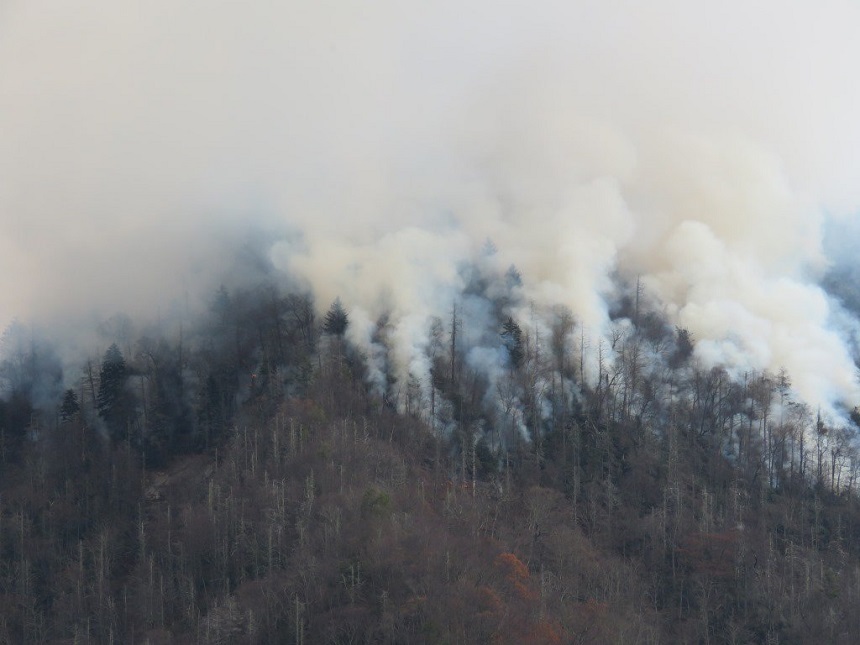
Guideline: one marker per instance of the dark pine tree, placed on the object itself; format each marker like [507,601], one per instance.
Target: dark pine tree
[513,338]
[70,406]
[336,320]
[114,402]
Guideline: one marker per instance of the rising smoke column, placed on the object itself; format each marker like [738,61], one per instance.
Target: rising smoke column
[701,148]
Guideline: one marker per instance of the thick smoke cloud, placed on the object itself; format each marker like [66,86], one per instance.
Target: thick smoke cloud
[379,145]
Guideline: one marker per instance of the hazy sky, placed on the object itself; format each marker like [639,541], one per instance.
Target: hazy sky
[701,145]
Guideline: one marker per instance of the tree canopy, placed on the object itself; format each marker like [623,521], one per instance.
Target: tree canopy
[336,319]
[114,403]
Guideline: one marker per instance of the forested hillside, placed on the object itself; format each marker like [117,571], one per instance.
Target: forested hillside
[256,478]
[429,322]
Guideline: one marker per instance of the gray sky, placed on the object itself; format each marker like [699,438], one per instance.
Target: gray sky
[698,144]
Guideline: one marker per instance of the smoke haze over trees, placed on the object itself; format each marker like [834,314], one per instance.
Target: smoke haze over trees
[369,153]
[257,477]
[547,285]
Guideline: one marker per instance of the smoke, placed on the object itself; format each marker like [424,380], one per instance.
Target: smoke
[379,145]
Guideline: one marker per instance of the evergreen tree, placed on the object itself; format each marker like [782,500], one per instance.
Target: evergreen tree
[513,338]
[113,402]
[336,320]
[70,406]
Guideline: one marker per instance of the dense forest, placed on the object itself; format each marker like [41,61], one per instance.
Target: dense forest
[257,476]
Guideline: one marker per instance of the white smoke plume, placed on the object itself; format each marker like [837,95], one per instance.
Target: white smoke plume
[702,148]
